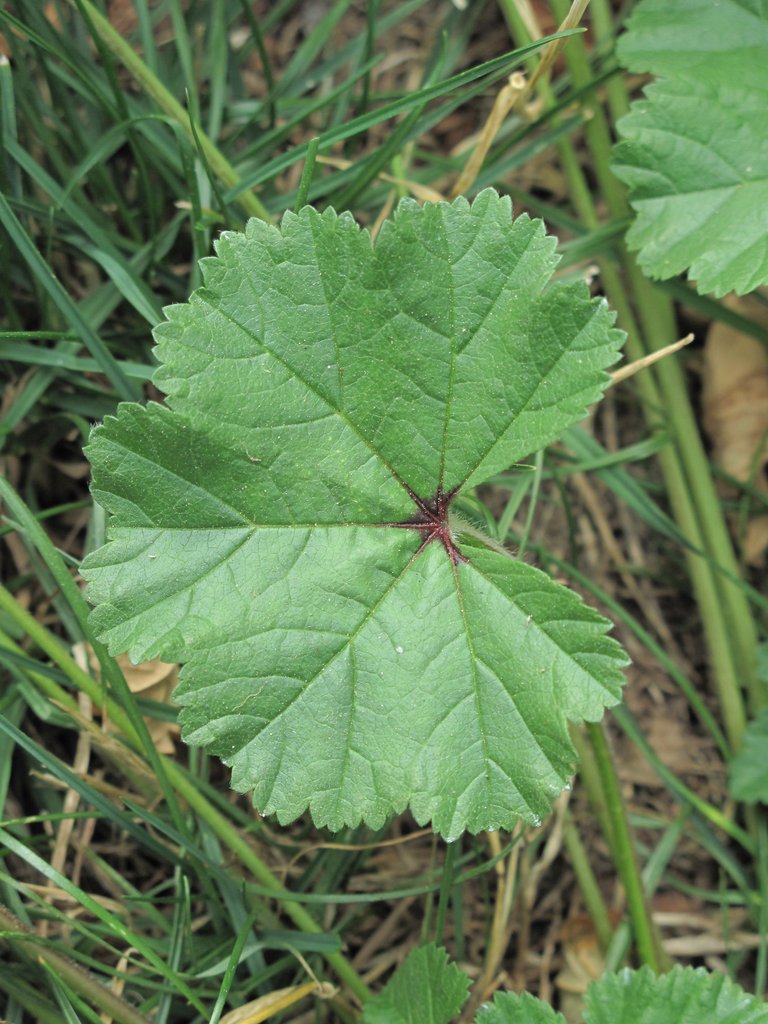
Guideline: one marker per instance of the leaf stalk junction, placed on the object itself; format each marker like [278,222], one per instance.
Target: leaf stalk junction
[433,523]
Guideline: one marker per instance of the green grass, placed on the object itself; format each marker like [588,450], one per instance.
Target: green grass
[124,154]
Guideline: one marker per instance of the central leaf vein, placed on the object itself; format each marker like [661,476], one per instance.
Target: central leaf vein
[349,639]
[473,668]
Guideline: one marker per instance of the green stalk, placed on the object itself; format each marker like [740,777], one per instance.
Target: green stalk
[152,85]
[589,777]
[183,785]
[84,984]
[603,25]
[702,577]
[648,945]
[585,878]
[306,175]
[691,496]
[657,315]
[446,887]
[520,30]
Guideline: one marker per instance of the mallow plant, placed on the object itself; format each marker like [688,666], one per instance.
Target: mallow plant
[284,524]
[427,989]
[694,150]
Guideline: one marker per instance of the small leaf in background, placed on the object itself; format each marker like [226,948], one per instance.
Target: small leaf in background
[426,989]
[735,407]
[510,1008]
[284,527]
[748,776]
[699,184]
[684,995]
[417,994]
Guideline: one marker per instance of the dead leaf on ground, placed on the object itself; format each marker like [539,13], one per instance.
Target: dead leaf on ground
[155,680]
[265,1007]
[583,963]
[686,755]
[735,404]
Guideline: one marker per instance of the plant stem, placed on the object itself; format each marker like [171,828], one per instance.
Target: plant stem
[446,885]
[624,853]
[521,28]
[306,175]
[585,877]
[603,27]
[657,317]
[589,777]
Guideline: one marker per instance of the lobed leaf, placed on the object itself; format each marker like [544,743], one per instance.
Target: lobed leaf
[511,1008]
[426,989]
[748,771]
[685,995]
[283,526]
[731,36]
[422,989]
[695,152]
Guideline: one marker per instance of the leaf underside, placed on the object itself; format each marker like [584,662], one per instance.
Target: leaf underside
[282,526]
[695,151]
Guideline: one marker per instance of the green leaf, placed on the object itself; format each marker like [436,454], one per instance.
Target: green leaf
[426,989]
[695,151]
[283,527]
[686,995]
[509,1008]
[749,768]
[731,36]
